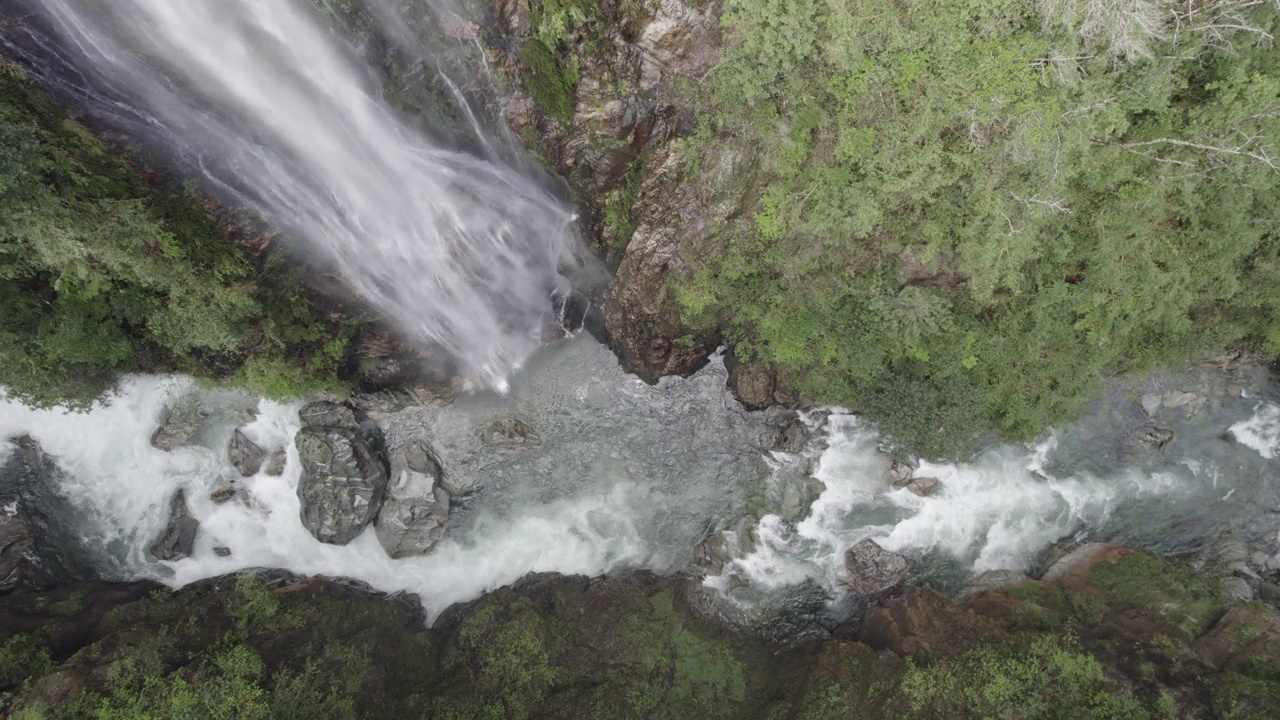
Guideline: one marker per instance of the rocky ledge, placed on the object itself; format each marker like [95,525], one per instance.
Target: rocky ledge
[1112,632]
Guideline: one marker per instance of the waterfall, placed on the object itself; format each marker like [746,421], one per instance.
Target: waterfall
[462,250]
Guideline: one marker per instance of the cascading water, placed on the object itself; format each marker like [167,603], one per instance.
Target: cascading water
[260,98]
[627,475]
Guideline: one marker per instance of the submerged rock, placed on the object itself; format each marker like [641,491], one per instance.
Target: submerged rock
[342,481]
[1146,444]
[797,495]
[179,537]
[178,425]
[511,432]
[873,572]
[245,454]
[413,515]
[724,546]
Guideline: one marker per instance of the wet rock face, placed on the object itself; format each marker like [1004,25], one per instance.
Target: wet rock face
[342,482]
[179,537]
[1146,444]
[245,454]
[179,424]
[873,572]
[327,414]
[413,515]
[40,542]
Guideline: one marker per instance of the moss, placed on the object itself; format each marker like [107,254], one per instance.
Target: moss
[547,82]
[1239,697]
[1143,580]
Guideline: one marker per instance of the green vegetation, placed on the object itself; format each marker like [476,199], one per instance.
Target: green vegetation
[1051,678]
[106,269]
[1141,579]
[966,213]
[625,647]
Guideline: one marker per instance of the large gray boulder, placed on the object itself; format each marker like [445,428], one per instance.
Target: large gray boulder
[873,572]
[178,425]
[245,454]
[1146,445]
[413,515]
[179,537]
[342,482]
[41,533]
[327,414]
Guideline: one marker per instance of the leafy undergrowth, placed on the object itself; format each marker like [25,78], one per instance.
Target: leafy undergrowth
[627,647]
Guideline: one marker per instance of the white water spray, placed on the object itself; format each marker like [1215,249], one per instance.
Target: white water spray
[261,98]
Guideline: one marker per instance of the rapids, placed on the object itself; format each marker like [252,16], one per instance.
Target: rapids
[629,475]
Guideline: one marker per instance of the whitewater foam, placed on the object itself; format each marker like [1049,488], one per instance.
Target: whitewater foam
[1262,431]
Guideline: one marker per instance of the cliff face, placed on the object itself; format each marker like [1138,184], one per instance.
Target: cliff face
[1115,633]
[602,93]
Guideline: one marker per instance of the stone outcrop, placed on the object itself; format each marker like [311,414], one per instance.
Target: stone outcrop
[179,536]
[40,540]
[245,454]
[178,425]
[873,572]
[343,477]
[413,515]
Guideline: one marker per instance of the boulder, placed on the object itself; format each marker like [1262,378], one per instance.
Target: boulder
[178,425]
[223,490]
[792,438]
[275,466]
[416,507]
[722,547]
[324,413]
[222,551]
[17,550]
[873,572]
[797,494]
[510,432]
[41,541]
[245,454]
[752,383]
[342,481]
[179,537]
[924,486]
[899,474]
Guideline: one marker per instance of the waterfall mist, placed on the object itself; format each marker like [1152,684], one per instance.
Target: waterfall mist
[463,250]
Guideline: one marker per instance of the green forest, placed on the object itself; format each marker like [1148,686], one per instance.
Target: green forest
[108,269]
[967,213]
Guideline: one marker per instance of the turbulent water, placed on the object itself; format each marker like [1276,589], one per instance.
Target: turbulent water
[260,98]
[628,475]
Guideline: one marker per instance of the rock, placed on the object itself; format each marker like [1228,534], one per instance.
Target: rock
[722,547]
[1178,399]
[342,483]
[179,537]
[1237,590]
[792,438]
[1244,570]
[223,491]
[178,425]
[327,414]
[40,538]
[680,41]
[1269,592]
[275,466]
[900,474]
[1146,444]
[17,551]
[797,495]
[1258,559]
[416,507]
[924,486]
[1272,564]
[1232,552]
[222,551]
[1151,403]
[510,432]
[752,384]
[245,454]
[1235,391]
[991,580]
[872,571]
